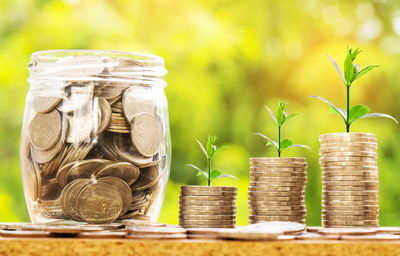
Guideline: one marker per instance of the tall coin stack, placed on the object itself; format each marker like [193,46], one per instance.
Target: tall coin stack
[207,207]
[350,186]
[276,190]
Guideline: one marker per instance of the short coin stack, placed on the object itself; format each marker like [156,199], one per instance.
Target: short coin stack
[276,190]
[207,207]
[350,186]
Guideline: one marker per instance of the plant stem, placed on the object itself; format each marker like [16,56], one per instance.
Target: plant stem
[209,171]
[279,141]
[348,108]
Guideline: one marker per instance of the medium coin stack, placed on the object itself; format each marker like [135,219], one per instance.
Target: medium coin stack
[350,185]
[207,207]
[276,190]
[93,152]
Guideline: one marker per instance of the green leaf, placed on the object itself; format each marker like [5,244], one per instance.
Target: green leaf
[348,69]
[364,71]
[272,114]
[355,54]
[357,111]
[280,116]
[205,174]
[285,144]
[338,110]
[274,143]
[380,115]
[226,176]
[337,69]
[210,149]
[290,117]
[214,174]
[299,146]
[202,148]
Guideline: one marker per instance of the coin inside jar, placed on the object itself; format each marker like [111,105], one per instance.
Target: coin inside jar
[44,104]
[146,134]
[45,130]
[124,190]
[123,170]
[84,169]
[149,176]
[99,202]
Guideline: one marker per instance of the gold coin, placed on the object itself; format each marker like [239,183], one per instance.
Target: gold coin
[123,188]
[350,222]
[354,215]
[346,135]
[50,191]
[350,154]
[351,188]
[359,164]
[208,208]
[271,183]
[275,193]
[184,211]
[278,170]
[30,179]
[280,179]
[278,208]
[277,160]
[146,134]
[326,178]
[264,203]
[351,208]
[275,218]
[351,193]
[350,198]
[371,145]
[349,140]
[136,100]
[44,156]
[216,222]
[207,226]
[123,170]
[24,234]
[99,203]
[104,115]
[268,176]
[208,198]
[149,176]
[351,183]
[69,196]
[362,172]
[260,196]
[44,104]
[346,203]
[277,213]
[206,217]
[270,188]
[206,193]
[208,188]
[83,169]
[45,130]
[273,165]
[348,231]
[324,159]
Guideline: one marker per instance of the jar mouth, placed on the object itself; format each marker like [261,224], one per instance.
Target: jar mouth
[99,66]
[54,55]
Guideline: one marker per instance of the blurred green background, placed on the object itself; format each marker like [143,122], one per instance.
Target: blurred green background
[226,60]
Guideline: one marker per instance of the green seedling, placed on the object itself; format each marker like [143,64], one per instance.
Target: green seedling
[281,118]
[209,151]
[351,73]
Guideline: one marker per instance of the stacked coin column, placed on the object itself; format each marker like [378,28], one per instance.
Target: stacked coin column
[276,190]
[207,207]
[350,186]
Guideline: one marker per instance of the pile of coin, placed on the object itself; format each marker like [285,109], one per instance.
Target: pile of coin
[93,152]
[276,190]
[207,207]
[350,185]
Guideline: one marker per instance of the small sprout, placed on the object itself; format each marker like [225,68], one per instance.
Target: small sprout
[351,73]
[209,151]
[281,118]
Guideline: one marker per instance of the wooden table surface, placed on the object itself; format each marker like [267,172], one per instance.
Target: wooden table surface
[109,247]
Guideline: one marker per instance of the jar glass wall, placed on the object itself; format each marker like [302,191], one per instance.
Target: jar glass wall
[95,142]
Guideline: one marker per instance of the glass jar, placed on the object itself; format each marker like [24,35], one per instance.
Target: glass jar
[95,142]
